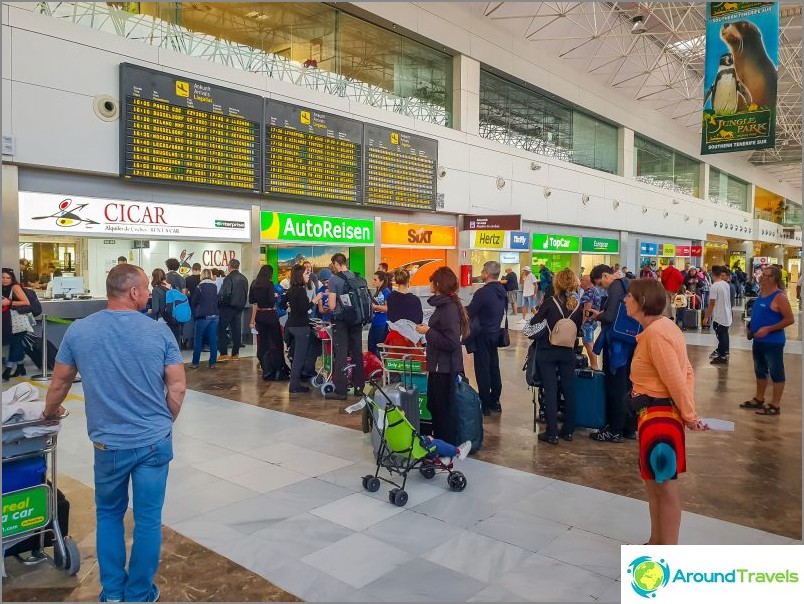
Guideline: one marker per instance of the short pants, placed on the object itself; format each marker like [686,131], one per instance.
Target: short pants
[588,330]
[769,360]
[528,302]
[512,296]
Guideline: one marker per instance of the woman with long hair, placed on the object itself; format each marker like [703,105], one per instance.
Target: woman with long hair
[14,298]
[664,399]
[204,303]
[554,359]
[262,297]
[159,287]
[299,306]
[447,326]
[379,323]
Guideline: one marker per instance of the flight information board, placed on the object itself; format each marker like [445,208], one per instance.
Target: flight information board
[400,169]
[311,154]
[177,130]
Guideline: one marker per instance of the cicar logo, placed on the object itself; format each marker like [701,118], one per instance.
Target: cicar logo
[648,575]
[68,214]
[420,236]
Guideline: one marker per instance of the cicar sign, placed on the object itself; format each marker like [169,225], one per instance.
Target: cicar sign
[418,235]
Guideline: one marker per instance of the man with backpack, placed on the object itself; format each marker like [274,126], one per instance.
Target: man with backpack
[545,284]
[232,300]
[618,351]
[350,302]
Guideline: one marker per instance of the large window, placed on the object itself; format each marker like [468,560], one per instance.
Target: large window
[663,167]
[515,115]
[306,43]
[728,190]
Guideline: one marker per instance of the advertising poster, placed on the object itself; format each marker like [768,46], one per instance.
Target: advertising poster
[421,264]
[741,73]
[319,256]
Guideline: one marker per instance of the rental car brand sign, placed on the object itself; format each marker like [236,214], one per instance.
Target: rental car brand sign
[556,243]
[595,245]
[276,226]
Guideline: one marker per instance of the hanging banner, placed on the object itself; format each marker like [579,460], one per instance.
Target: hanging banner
[741,71]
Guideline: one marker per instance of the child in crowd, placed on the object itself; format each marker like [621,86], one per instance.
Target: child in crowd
[445,451]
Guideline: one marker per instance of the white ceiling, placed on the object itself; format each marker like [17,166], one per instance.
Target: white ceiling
[663,67]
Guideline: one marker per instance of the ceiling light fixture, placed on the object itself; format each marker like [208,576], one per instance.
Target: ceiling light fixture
[686,218]
[666,213]
[585,199]
[639,25]
[535,166]
[500,182]
[644,209]
[676,202]
[547,192]
[615,204]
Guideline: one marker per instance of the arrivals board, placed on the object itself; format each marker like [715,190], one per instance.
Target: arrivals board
[312,155]
[400,169]
[175,129]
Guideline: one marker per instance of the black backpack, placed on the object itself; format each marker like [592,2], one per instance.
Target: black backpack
[34,304]
[358,311]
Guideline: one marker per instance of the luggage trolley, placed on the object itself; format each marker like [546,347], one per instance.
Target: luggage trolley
[408,360]
[323,379]
[30,507]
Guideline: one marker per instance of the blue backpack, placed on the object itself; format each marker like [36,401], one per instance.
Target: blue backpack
[177,308]
[625,328]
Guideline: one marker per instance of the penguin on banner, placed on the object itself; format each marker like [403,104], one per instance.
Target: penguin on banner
[727,91]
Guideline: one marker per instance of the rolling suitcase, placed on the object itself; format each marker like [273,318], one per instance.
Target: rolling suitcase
[469,415]
[691,319]
[590,399]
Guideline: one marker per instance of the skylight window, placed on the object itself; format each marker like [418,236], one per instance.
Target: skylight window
[694,48]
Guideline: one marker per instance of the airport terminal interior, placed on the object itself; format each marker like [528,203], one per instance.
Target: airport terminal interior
[421,146]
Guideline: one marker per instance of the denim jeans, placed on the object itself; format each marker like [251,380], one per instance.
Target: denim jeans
[722,332]
[376,335]
[16,349]
[146,468]
[205,329]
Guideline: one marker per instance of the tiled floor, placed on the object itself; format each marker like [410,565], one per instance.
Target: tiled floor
[278,495]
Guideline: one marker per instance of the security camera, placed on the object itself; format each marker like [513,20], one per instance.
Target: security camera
[106,107]
[442,171]
[639,25]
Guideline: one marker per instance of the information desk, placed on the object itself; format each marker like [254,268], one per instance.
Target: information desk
[180,130]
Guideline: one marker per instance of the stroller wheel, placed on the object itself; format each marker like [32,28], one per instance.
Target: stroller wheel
[327,388]
[456,481]
[398,497]
[371,483]
[317,381]
[427,471]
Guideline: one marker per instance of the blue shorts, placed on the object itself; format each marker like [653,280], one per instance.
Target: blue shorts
[589,333]
[769,360]
[528,302]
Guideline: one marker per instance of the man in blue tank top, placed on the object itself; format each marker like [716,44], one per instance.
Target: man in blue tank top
[770,316]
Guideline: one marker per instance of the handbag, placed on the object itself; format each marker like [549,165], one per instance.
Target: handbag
[504,338]
[21,322]
[625,328]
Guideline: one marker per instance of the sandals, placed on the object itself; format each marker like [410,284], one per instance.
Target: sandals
[753,404]
[769,410]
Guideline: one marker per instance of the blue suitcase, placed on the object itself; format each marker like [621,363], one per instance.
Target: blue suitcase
[590,399]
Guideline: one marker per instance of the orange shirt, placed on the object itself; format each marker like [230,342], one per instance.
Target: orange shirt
[661,367]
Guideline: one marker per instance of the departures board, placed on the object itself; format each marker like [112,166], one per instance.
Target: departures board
[175,129]
[312,155]
[400,169]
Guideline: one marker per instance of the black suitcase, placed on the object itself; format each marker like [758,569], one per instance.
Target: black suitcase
[34,543]
[691,319]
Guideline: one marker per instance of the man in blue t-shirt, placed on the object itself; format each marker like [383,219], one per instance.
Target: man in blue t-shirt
[134,383]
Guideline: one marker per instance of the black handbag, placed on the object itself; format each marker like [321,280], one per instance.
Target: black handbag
[504,338]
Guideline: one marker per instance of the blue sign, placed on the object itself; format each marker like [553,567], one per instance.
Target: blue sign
[519,240]
[648,249]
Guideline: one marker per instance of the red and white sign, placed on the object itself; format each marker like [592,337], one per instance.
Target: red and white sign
[696,250]
[682,250]
[123,219]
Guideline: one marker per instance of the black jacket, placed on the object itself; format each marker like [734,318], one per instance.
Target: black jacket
[205,300]
[191,283]
[549,314]
[487,308]
[234,290]
[616,294]
[444,353]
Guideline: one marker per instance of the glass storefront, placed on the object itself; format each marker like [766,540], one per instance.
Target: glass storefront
[662,167]
[520,117]
[309,44]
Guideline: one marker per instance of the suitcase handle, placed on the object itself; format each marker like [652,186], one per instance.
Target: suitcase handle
[586,374]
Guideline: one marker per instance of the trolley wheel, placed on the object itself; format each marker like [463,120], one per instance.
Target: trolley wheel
[71,563]
[371,483]
[327,388]
[456,481]
[398,497]
[427,471]
[317,380]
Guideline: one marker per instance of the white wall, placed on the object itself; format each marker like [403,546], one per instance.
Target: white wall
[55,64]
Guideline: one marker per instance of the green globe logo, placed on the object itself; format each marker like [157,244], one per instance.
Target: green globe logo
[648,575]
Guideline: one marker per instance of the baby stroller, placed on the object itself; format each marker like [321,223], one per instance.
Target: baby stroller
[401,450]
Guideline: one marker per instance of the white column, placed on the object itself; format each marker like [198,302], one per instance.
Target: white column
[11,219]
[704,181]
[625,153]
[466,94]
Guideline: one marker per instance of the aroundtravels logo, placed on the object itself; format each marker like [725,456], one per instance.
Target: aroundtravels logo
[648,575]
[68,214]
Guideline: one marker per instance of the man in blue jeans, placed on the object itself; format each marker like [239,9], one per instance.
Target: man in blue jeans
[134,385]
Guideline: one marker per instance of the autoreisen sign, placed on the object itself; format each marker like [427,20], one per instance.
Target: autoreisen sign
[276,226]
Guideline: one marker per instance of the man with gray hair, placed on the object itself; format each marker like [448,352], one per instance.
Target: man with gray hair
[134,384]
[486,311]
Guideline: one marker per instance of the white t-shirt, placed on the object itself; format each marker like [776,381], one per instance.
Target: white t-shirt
[721,294]
[529,285]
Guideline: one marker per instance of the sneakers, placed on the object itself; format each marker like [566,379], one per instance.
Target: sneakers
[606,436]
[193,366]
[102,598]
[713,354]
[719,361]
[446,461]
[464,449]
[546,438]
